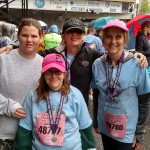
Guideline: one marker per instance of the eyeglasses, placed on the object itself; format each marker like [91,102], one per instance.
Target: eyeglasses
[51,72]
[78,31]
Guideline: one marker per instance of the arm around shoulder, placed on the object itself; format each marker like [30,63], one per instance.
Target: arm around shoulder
[46,52]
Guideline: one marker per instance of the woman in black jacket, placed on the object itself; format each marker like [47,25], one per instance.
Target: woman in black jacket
[142,41]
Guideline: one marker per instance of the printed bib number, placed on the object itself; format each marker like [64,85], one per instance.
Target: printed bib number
[115,124]
[44,131]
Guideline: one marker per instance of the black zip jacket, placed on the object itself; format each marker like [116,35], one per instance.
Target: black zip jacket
[142,45]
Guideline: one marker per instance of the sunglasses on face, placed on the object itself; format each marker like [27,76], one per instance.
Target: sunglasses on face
[78,31]
[51,72]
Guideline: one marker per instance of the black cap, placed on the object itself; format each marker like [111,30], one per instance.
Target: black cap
[73,23]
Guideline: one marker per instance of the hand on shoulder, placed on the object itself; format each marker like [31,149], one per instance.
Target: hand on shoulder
[6,49]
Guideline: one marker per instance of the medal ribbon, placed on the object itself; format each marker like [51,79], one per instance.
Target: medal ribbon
[113,87]
[68,68]
[53,124]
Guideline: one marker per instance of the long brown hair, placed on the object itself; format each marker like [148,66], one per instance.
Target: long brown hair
[43,89]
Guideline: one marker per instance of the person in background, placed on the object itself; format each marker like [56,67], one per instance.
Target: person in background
[6,36]
[20,71]
[120,82]
[60,31]
[52,39]
[55,112]
[44,30]
[93,41]
[99,32]
[41,46]
[142,44]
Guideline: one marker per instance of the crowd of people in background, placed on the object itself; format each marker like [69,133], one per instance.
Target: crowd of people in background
[46,79]
[52,39]
[6,35]
[93,41]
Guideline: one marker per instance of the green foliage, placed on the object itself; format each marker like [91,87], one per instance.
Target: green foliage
[145,7]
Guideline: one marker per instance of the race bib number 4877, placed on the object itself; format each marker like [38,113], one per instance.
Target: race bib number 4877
[44,131]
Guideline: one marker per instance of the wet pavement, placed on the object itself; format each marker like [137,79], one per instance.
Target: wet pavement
[98,137]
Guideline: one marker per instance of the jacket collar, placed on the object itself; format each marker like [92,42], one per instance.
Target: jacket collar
[128,56]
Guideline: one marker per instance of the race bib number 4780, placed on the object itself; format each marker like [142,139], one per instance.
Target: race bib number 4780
[115,124]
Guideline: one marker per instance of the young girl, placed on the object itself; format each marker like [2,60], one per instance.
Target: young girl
[56,112]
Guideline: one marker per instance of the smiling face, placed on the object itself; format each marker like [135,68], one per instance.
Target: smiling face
[29,39]
[114,40]
[73,37]
[54,79]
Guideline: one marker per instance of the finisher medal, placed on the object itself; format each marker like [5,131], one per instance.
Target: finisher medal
[54,139]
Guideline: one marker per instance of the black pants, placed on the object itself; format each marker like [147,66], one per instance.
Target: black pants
[111,144]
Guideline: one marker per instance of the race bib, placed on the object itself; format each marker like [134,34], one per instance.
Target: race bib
[115,124]
[44,131]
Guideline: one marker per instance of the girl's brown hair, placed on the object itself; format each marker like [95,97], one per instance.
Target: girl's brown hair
[29,22]
[43,89]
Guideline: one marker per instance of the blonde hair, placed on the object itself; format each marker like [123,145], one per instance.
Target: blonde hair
[125,34]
